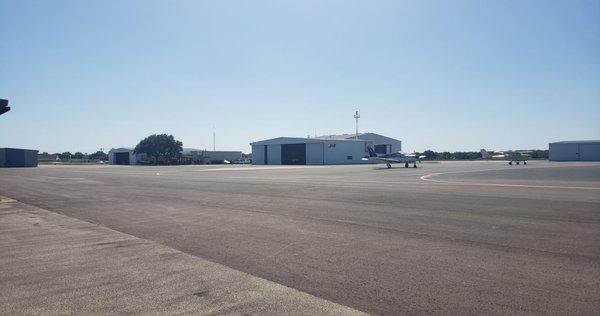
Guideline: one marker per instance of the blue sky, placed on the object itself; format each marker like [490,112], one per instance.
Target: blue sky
[441,75]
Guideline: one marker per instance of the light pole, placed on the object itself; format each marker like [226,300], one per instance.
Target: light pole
[356,116]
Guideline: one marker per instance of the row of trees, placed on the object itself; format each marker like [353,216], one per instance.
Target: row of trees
[99,155]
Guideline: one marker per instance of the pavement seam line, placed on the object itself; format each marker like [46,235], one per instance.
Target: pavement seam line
[427,178]
[4,199]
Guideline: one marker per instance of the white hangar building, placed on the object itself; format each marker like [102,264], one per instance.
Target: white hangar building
[323,150]
[382,144]
[582,150]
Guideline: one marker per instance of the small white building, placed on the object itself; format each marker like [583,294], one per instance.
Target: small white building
[123,156]
[582,150]
[220,156]
[207,157]
[309,151]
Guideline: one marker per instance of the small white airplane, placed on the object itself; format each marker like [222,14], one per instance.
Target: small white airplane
[389,159]
[510,156]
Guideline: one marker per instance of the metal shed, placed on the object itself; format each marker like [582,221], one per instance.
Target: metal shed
[15,158]
[582,150]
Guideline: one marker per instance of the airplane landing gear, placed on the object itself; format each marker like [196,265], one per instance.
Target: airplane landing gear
[517,163]
[415,165]
[389,165]
[406,165]
[524,162]
[510,163]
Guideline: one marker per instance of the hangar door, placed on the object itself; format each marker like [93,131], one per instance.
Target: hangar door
[293,154]
[383,149]
[121,158]
[14,157]
[589,152]
[315,153]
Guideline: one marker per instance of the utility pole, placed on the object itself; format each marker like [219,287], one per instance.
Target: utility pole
[356,116]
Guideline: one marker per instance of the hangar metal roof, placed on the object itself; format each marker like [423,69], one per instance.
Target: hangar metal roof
[364,136]
[122,149]
[291,140]
[577,142]
[341,136]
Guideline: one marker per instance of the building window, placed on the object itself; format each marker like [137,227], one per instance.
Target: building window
[349,157]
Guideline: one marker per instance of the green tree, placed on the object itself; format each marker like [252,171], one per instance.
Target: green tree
[99,155]
[159,147]
[65,155]
[539,154]
[78,155]
[445,155]
[429,154]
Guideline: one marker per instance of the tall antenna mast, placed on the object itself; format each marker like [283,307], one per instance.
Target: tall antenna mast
[356,116]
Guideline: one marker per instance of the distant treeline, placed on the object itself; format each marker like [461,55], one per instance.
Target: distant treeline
[66,156]
[473,155]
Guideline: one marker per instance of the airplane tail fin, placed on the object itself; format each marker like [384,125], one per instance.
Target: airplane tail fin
[372,152]
[484,154]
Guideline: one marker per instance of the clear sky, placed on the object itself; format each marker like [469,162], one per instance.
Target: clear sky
[441,75]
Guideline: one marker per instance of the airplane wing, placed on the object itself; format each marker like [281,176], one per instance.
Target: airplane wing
[392,159]
[382,159]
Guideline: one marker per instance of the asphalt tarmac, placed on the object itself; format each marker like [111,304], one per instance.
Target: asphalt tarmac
[58,265]
[455,237]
